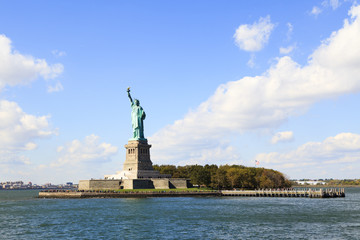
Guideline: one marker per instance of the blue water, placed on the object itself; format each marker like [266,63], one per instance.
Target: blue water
[22,216]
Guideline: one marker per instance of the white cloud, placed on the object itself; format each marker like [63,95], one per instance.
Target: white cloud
[266,101]
[58,53]
[11,158]
[77,160]
[254,37]
[19,130]
[290,30]
[89,150]
[57,88]
[316,11]
[16,68]
[251,62]
[342,149]
[286,50]
[334,4]
[282,137]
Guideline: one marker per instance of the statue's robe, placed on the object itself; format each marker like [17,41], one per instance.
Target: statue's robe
[137,117]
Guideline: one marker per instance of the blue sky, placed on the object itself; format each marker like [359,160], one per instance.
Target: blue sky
[222,83]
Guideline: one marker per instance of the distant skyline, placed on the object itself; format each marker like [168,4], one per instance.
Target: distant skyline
[221,83]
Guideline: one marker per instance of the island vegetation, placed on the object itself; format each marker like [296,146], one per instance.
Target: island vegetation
[227,176]
[343,182]
[326,182]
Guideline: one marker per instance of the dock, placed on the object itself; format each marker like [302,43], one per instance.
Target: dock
[305,193]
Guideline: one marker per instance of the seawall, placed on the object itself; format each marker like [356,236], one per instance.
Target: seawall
[309,193]
[125,194]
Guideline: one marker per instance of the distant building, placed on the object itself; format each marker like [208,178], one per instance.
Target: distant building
[12,185]
[30,185]
[310,182]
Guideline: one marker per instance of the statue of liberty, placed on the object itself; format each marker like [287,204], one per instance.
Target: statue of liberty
[137,118]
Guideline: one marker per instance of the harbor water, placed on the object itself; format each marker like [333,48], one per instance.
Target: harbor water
[24,216]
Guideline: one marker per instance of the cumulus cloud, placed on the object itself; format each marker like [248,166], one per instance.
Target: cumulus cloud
[18,131]
[11,158]
[87,151]
[78,159]
[253,37]
[286,50]
[282,137]
[16,68]
[342,149]
[266,101]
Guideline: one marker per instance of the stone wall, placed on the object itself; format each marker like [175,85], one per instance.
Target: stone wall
[157,183]
[99,184]
[127,184]
[179,183]
[84,185]
[143,184]
[161,183]
[137,184]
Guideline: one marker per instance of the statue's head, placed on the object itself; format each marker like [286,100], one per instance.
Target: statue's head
[137,102]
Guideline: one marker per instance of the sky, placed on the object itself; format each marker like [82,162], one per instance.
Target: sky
[221,83]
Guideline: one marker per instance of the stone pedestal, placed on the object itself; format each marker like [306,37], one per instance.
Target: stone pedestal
[137,173]
[138,164]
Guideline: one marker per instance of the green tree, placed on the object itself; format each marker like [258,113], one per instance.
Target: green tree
[219,180]
[233,174]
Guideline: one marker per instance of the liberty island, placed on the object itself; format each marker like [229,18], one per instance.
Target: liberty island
[138,173]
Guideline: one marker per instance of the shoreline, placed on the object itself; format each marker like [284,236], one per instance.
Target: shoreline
[309,193]
[325,186]
[126,194]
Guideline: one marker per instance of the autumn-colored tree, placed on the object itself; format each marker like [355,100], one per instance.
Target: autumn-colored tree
[227,176]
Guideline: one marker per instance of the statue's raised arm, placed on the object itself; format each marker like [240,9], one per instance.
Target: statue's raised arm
[128,91]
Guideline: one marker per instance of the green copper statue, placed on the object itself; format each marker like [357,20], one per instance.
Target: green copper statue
[137,118]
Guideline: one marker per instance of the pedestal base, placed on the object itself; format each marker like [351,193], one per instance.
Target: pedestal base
[137,173]
[160,183]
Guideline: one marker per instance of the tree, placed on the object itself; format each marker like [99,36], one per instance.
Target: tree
[233,175]
[226,176]
[220,180]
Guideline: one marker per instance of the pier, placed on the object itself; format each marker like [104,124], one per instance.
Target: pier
[307,192]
